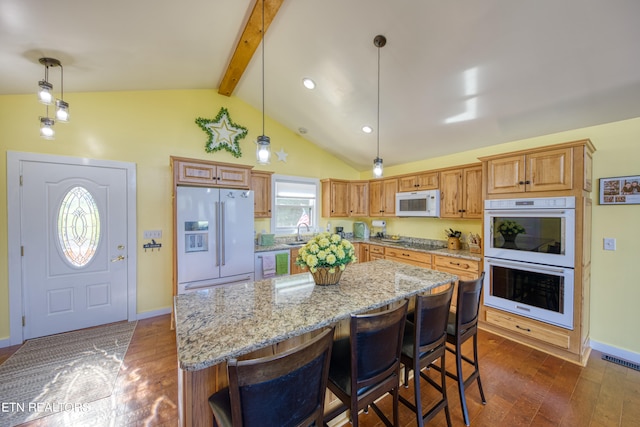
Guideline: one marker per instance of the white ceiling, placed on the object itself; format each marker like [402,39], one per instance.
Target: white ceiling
[454,75]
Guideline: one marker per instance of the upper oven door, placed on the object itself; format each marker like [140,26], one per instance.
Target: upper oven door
[546,236]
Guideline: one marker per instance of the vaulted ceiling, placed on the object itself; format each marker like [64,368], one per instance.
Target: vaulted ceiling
[454,75]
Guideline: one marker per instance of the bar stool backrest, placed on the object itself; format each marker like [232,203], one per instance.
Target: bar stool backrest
[287,389]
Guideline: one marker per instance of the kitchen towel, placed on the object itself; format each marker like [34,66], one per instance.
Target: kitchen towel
[282,264]
[268,265]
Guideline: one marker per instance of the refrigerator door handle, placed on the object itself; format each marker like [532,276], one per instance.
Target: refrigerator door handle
[222,235]
[217,213]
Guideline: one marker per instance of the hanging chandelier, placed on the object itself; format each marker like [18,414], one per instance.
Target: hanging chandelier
[45,96]
[379,41]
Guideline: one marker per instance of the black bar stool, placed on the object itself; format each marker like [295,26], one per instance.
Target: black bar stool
[424,343]
[462,326]
[286,389]
[366,365]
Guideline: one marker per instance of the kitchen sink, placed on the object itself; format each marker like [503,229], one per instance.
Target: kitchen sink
[296,243]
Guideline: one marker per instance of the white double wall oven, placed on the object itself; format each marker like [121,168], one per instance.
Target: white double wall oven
[531,273]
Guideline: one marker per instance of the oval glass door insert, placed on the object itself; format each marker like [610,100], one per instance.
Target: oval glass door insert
[78,226]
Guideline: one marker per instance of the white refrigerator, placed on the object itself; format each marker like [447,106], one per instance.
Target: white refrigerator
[215,239]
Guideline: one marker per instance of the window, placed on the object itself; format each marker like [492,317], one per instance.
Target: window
[78,226]
[295,202]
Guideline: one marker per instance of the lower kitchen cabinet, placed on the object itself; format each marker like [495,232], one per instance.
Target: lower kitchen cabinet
[293,267]
[406,256]
[463,268]
[376,252]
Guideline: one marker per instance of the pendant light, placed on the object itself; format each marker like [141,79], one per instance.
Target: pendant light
[45,96]
[263,149]
[378,41]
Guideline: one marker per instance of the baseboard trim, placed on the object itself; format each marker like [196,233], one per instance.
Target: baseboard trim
[615,351]
[5,343]
[154,313]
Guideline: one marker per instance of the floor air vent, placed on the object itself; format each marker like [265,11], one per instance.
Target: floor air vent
[622,362]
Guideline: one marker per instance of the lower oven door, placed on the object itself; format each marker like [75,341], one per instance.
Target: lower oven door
[539,292]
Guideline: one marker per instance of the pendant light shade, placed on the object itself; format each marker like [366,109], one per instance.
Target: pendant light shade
[45,96]
[377,167]
[46,128]
[379,41]
[263,149]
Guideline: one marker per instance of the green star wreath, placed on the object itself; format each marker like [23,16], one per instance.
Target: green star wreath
[223,133]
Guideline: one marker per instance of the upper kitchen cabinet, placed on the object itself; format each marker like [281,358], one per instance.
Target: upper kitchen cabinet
[261,186]
[461,192]
[335,198]
[559,168]
[382,197]
[417,182]
[358,198]
[204,173]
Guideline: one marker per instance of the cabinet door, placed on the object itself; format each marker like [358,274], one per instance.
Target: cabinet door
[450,193]
[427,181]
[390,188]
[375,198]
[407,183]
[364,253]
[293,267]
[506,175]
[472,192]
[550,170]
[335,198]
[261,186]
[229,176]
[359,198]
[195,173]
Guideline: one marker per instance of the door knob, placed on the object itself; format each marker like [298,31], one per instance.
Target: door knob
[118,258]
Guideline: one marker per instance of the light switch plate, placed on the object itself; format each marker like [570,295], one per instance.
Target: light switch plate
[152,234]
[609,244]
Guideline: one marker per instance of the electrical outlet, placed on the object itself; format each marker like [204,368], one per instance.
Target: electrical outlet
[609,244]
[152,234]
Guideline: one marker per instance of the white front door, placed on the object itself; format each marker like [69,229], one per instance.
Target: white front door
[74,242]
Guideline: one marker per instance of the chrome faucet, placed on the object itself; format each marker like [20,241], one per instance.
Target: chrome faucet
[299,238]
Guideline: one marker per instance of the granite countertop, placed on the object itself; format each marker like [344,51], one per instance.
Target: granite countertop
[223,322]
[412,245]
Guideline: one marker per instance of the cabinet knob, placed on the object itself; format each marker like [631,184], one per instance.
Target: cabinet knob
[527,182]
[520,182]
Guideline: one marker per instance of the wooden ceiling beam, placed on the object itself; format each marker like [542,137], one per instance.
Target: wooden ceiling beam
[248,44]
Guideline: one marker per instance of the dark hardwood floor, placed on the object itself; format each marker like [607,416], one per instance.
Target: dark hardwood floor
[523,387]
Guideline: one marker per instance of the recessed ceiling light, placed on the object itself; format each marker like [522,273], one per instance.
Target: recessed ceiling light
[367,129]
[308,83]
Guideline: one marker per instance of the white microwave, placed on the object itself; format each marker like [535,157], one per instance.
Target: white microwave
[418,203]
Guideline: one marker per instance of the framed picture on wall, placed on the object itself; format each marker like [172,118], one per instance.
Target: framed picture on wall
[620,190]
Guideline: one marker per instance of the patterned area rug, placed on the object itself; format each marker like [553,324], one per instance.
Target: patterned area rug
[62,373]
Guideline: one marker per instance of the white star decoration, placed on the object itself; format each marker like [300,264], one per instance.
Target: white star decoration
[223,133]
[282,156]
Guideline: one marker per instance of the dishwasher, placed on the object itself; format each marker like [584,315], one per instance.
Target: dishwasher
[260,259]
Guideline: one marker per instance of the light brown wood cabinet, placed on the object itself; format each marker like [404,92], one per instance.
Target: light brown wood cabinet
[407,256]
[376,252]
[538,171]
[335,198]
[364,253]
[382,197]
[558,170]
[358,198]
[461,192]
[463,268]
[210,174]
[261,186]
[293,267]
[422,181]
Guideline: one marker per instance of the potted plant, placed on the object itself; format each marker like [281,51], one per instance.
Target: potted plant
[453,238]
[326,256]
[509,230]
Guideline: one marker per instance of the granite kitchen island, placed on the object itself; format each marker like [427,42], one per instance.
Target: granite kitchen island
[256,319]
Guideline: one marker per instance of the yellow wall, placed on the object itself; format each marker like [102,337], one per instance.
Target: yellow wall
[147,127]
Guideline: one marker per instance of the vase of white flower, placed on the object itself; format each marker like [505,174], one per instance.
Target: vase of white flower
[326,256]
[509,230]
